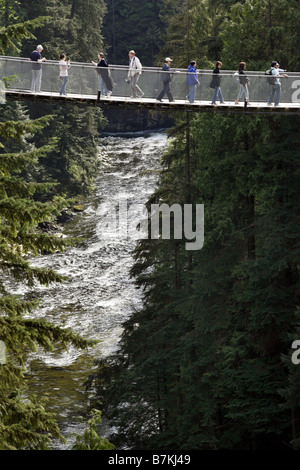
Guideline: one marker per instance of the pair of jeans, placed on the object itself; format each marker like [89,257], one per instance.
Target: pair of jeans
[275,94]
[36,80]
[192,93]
[64,84]
[243,90]
[217,94]
[102,86]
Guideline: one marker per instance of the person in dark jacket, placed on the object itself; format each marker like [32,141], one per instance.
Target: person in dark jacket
[37,59]
[192,81]
[244,82]
[105,82]
[166,80]
[216,84]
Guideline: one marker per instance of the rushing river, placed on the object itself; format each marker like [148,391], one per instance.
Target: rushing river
[99,294]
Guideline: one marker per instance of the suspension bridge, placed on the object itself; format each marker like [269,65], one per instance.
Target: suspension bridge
[83,87]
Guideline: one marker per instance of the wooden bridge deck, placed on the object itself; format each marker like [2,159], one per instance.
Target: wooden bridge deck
[151,103]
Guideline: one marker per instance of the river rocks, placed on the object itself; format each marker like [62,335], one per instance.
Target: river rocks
[55,227]
[65,216]
[48,227]
[79,208]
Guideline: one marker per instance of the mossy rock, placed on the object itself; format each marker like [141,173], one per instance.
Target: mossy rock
[79,208]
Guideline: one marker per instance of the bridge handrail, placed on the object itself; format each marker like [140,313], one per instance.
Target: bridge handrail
[250,73]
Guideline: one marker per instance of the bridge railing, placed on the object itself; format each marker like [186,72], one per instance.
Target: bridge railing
[83,81]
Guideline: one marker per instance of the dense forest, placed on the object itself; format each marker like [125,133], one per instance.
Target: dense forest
[206,362]
[48,159]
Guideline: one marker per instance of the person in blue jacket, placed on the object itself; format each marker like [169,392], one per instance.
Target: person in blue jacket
[192,81]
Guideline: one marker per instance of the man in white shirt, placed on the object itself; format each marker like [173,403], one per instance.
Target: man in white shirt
[135,69]
[276,86]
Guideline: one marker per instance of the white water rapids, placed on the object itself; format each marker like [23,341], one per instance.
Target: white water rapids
[99,294]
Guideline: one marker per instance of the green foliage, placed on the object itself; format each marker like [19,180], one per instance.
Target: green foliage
[259,31]
[74,27]
[9,12]
[24,421]
[206,363]
[133,25]
[200,366]
[25,424]
[255,31]
[11,37]
[90,439]
[73,160]
[192,31]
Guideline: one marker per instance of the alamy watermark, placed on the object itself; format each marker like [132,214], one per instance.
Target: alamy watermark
[296,93]
[125,220]
[296,354]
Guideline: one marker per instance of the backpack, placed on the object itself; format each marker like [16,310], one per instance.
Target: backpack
[270,77]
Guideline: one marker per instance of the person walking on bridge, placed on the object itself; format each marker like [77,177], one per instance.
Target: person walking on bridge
[244,82]
[192,81]
[135,70]
[166,81]
[36,58]
[63,72]
[105,82]
[216,84]
[276,85]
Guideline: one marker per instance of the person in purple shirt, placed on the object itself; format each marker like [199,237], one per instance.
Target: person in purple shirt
[37,59]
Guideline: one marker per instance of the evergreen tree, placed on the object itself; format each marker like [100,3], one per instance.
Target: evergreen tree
[73,27]
[259,31]
[10,12]
[90,440]
[192,31]
[74,159]
[131,25]
[11,37]
[200,366]
[24,421]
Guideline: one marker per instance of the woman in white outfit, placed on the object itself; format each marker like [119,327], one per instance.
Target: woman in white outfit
[63,72]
